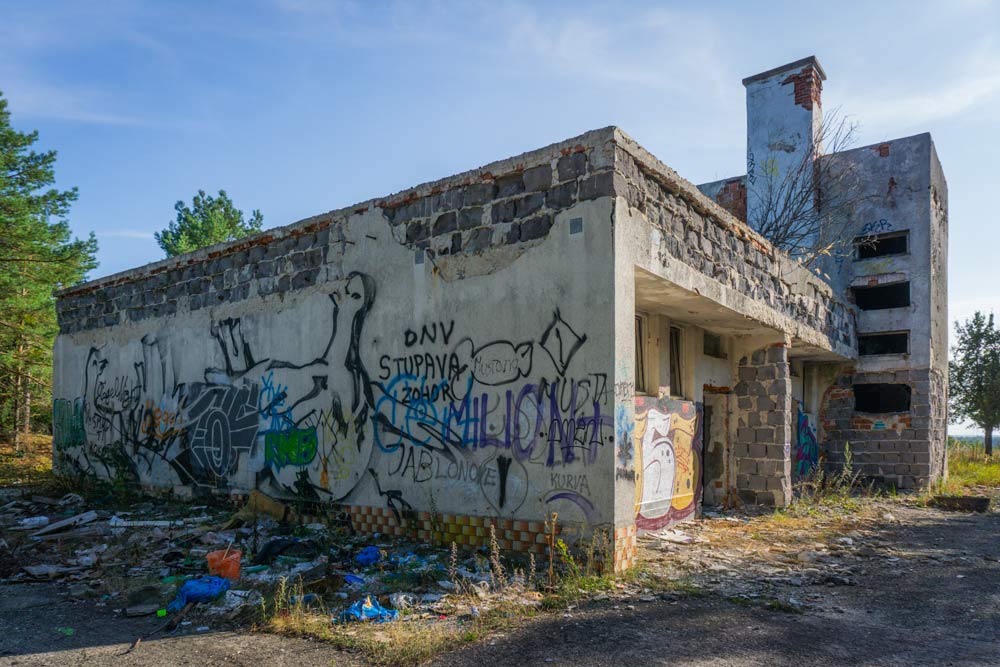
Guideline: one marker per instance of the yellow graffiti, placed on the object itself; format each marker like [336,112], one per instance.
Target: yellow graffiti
[683,439]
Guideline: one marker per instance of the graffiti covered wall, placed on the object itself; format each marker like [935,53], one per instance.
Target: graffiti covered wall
[668,469]
[472,383]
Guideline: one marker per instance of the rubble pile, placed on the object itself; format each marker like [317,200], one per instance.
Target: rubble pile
[752,558]
[202,567]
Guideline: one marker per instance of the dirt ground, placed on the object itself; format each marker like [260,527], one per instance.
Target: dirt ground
[916,586]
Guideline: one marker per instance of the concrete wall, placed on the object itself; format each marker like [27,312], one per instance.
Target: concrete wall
[903,190]
[784,120]
[446,351]
[685,262]
[458,354]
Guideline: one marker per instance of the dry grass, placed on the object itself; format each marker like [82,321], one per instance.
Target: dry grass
[410,640]
[30,467]
[970,471]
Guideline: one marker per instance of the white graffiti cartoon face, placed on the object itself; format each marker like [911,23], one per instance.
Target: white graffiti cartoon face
[659,466]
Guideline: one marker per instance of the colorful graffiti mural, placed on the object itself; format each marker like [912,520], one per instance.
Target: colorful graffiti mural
[668,461]
[442,414]
[806,453]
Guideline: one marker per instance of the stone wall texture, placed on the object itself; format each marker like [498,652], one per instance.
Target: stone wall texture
[762,447]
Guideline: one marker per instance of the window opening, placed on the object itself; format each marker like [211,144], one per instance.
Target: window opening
[881,245]
[884,343]
[882,398]
[640,354]
[713,346]
[676,387]
[882,297]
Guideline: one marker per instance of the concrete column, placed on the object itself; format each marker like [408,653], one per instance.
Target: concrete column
[762,414]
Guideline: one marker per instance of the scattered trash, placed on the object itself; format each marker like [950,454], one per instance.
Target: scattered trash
[202,628]
[674,536]
[368,556]
[402,600]
[34,522]
[368,610]
[77,520]
[294,547]
[118,522]
[353,580]
[224,563]
[143,601]
[198,590]
[160,613]
[65,631]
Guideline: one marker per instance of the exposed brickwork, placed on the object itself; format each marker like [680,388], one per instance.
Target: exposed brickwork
[903,449]
[808,87]
[762,447]
[733,198]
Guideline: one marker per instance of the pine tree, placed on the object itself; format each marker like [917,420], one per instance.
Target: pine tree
[974,375]
[208,221]
[38,255]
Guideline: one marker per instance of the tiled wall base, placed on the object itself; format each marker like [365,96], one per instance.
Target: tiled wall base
[474,531]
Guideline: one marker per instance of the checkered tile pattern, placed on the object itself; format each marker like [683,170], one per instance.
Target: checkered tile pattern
[474,531]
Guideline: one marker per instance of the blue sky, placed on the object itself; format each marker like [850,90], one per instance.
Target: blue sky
[297,107]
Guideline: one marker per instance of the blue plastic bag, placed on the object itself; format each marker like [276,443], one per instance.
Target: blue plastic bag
[368,610]
[368,556]
[198,590]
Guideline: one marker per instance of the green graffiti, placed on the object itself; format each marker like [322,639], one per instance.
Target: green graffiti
[296,447]
[67,423]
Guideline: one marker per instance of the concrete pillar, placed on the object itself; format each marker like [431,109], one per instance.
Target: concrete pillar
[762,415]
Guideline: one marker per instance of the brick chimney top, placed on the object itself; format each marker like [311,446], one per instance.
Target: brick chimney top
[797,65]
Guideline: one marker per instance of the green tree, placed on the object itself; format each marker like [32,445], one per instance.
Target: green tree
[974,375]
[208,221]
[38,254]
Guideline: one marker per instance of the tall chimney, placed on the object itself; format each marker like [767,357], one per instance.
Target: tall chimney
[784,120]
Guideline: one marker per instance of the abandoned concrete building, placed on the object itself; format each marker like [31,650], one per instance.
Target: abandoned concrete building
[575,330]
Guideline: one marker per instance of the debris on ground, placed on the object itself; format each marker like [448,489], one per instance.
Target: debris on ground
[368,610]
[148,557]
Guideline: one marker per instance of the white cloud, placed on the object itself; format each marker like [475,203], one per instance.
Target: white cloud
[127,234]
[952,88]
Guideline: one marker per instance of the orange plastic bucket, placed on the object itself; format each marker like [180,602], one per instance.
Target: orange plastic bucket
[224,564]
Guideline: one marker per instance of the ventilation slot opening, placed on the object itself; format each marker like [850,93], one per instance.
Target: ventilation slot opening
[881,398]
[882,297]
[881,245]
[883,343]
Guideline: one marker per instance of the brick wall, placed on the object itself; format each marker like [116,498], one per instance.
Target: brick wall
[901,449]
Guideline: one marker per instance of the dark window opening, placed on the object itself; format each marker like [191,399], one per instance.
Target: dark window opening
[640,354]
[675,363]
[881,398]
[896,295]
[881,245]
[713,346]
[883,343]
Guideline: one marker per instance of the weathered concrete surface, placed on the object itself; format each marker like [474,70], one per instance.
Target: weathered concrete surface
[461,349]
